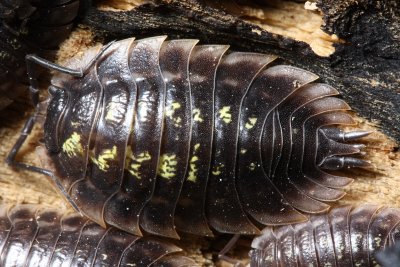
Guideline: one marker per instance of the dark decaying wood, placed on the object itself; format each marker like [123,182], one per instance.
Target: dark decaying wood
[365,66]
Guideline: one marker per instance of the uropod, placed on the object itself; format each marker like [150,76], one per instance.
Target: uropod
[165,136]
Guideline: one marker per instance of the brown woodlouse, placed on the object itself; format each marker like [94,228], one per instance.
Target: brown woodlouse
[346,236]
[31,235]
[30,26]
[166,134]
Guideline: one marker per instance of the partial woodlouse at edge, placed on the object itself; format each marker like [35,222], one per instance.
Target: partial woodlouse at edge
[31,235]
[162,136]
[346,236]
[31,26]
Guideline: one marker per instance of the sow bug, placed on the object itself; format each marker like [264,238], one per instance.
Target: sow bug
[31,235]
[30,26]
[346,236]
[164,135]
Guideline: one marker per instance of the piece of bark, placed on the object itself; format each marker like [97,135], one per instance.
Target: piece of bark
[365,66]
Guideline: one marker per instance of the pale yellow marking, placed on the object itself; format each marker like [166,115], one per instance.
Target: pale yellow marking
[251,122]
[196,146]
[133,163]
[113,112]
[192,176]
[197,115]
[170,111]
[193,169]
[167,166]
[104,157]
[243,151]
[217,170]
[378,241]
[225,114]
[252,166]
[75,124]
[72,145]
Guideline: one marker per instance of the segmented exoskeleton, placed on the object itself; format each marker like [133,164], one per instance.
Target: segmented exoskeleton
[166,134]
[345,236]
[30,26]
[390,256]
[31,235]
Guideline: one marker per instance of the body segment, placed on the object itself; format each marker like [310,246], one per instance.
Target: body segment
[346,236]
[31,235]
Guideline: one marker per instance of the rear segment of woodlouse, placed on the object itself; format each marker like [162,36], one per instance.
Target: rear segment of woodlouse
[346,236]
[31,235]
[30,26]
[160,135]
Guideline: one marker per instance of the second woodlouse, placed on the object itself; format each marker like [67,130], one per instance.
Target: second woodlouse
[346,236]
[160,135]
[35,236]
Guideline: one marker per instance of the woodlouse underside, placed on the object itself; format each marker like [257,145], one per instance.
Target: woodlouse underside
[163,135]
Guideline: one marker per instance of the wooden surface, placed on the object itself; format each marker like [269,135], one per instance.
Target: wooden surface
[379,185]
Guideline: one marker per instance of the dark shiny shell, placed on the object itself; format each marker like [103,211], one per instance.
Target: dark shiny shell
[345,236]
[31,235]
[165,135]
[30,26]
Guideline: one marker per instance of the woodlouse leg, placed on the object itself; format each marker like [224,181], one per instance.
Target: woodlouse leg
[10,160]
[31,61]
[228,246]
[17,146]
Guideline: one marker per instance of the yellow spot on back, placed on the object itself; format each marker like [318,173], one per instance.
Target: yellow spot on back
[72,145]
[75,124]
[113,112]
[250,123]
[252,166]
[225,115]
[192,175]
[243,151]
[133,163]
[217,170]
[197,115]
[170,111]
[196,146]
[167,166]
[104,157]
[193,169]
